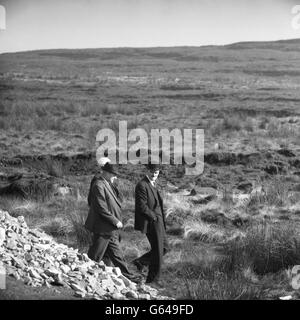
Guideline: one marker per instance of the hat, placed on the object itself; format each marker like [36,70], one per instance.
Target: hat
[102,161]
[110,168]
[153,167]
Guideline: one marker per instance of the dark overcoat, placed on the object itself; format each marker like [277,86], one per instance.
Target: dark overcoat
[147,202]
[104,207]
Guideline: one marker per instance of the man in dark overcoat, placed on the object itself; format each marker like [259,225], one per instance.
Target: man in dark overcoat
[150,219]
[104,219]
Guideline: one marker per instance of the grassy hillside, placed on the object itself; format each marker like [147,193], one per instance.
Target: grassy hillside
[248,90]
[234,230]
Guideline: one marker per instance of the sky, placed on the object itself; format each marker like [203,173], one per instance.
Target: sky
[48,24]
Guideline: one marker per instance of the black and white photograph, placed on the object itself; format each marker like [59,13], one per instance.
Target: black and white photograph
[149,151]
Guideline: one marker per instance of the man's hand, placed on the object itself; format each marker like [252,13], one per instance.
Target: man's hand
[119,225]
[154,219]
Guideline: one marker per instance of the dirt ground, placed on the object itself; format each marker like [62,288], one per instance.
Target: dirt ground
[16,290]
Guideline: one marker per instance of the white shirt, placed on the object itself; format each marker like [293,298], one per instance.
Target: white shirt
[151,181]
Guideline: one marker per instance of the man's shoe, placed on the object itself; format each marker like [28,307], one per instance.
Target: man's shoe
[138,265]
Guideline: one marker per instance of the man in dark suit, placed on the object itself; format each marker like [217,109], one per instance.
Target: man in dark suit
[104,220]
[150,219]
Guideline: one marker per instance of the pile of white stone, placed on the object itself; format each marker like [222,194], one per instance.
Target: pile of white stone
[35,258]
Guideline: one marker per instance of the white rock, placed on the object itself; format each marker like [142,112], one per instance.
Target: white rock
[21,219]
[2,236]
[80,294]
[35,263]
[86,258]
[77,287]
[132,295]
[27,247]
[52,272]
[63,191]
[65,269]
[2,215]
[286,298]
[34,274]
[129,284]
[119,283]
[16,276]
[73,266]
[117,271]
[42,247]
[117,296]
[11,244]
[144,296]
[109,269]
[28,257]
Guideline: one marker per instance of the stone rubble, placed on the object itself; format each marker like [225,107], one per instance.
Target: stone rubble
[38,260]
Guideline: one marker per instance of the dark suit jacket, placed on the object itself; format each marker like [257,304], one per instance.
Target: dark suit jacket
[105,207]
[146,205]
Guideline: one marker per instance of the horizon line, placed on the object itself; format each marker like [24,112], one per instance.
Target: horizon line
[152,47]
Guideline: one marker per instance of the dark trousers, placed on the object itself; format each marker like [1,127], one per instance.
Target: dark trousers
[159,247]
[106,247]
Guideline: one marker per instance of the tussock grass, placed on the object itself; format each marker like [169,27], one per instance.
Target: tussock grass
[262,249]
[232,122]
[197,230]
[179,209]
[57,227]
[208,277]
[126,188]
[279,129]
[96,109]
[48,115]
[51,167]
[82,235]
[62,218]
[16,206]
[273,193]
[263,123]
[72,212]
[39,190]
[214,285]
[266,247]
[34,211]
[132,123]
[54,168]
